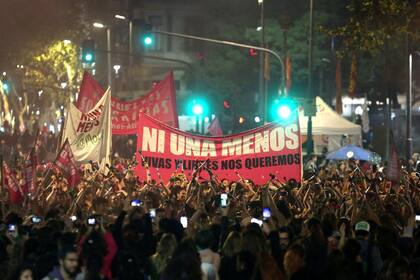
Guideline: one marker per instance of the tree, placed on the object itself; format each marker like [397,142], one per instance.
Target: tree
[373,35]
[54,71]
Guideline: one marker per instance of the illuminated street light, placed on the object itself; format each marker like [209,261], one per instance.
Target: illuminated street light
[66,41]
[358,110]
[63,85]
[4,73]
[98,25]
[117,68]
[259,28]
[120,17]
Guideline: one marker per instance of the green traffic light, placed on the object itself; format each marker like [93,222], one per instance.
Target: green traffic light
[6,87]
[88,57]
[148,40]
[198,109]
[284,110]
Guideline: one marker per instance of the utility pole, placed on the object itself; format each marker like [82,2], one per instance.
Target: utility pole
[309,140]
[263,94]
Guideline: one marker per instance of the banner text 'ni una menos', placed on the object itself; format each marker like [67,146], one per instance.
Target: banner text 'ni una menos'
[271,149]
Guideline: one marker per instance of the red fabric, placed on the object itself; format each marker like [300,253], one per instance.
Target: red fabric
[111,252]
[30,172]
[214,128]
[393,168]
[274,148]
[160,103]
[111,249]
[66,162]
[9,180]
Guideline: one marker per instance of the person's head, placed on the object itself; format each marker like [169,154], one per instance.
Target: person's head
[204,239]
[398,269]
[225,183]
[362,229]
[284,237]
[21,272]
[166,245]
[232,244]
[294,259]
[100,205]
[68,260]
[185,262]
[251,241]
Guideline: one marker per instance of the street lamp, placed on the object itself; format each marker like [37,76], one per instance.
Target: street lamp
[108,49]
[409,140]
[262,86]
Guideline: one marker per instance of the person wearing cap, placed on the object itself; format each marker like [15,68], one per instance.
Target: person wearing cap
[371,256]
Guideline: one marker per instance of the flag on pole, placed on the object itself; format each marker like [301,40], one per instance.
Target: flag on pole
[338,87]
[9,180]
[90,91]
[89,134]
[30,172]
[288,67]
[214,128]
[66,162]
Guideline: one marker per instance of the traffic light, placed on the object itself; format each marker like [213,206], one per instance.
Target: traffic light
[88,51]
[284,110]
[5,86]
[252,52]
[148,37]
[197,107]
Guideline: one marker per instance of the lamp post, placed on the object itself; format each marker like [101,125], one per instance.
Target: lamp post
[409,140]
[263,94]
[233,44]
[309,140]
[108,49]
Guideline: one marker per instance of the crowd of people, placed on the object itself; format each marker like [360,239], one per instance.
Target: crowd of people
[344,220]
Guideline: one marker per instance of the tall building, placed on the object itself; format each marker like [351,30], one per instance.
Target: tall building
[148,64]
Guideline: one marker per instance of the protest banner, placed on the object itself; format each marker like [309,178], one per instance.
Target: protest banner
[159,103]
[271,149]
[89,134]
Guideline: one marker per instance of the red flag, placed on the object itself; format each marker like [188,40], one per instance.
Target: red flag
[9,180]
[65,161]
[30,172]
[394,168]
[288,67]
[90,92]
[214,128]
[160,103]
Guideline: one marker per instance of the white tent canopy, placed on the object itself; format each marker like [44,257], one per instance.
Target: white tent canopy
[328,128]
